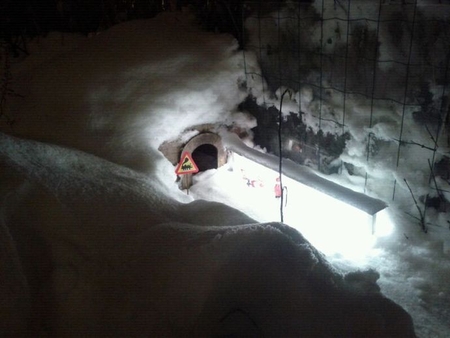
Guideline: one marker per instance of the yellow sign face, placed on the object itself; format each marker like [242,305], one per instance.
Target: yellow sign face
[186,165]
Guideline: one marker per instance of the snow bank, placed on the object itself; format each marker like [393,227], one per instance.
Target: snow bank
[105,251]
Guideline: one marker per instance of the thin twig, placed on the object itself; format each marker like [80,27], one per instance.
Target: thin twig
[402,142]
[439,192]
[422,218]
[426,223]
[432,137]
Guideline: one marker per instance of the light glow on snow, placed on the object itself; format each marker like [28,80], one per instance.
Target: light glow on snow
[332,226]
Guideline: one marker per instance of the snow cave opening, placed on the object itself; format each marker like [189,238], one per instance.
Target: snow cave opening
[205,156]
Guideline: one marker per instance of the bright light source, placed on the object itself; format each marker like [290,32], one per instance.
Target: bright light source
[331,225]
[383,225]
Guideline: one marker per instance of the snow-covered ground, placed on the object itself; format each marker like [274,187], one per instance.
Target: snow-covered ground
[413,271]
[125,249]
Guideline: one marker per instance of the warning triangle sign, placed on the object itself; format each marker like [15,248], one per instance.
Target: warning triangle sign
[186,165]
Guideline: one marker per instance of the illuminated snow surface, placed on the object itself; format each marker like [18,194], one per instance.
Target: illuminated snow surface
[97,238]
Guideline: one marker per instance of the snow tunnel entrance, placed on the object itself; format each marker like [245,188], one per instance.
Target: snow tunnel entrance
[207,151]
[205,156]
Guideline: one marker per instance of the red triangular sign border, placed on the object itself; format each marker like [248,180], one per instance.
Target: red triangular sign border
[179,170]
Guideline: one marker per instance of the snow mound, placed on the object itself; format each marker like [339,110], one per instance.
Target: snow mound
[122,93]
[90,248]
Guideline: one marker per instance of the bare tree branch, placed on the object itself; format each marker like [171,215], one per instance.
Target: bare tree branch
[422,217]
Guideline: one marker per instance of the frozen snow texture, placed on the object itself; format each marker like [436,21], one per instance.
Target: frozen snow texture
[105,251]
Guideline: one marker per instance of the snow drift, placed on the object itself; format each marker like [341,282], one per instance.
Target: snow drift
[90,248]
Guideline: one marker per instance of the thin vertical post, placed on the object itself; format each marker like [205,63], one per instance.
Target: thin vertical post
[279,44]
[405,95]
[280,149]
[280,119]
[260,51]
[346,67]
[374,81]
[299,59]
[320,84]
[243,43]
[344,103]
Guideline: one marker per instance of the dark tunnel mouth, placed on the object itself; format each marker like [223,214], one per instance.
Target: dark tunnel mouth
[205,156]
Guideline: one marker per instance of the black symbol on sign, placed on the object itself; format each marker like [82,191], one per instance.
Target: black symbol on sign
[186,164]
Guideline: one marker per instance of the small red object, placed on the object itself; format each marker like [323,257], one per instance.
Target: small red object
[277,189]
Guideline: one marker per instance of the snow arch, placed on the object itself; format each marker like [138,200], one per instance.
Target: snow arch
[203,139]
